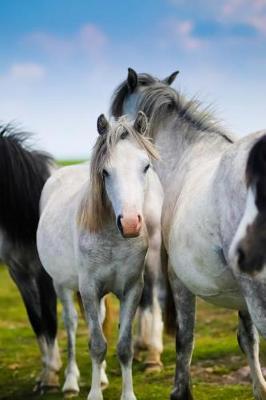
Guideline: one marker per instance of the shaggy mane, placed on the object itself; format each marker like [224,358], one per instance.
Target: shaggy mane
[95,209]
[159,101]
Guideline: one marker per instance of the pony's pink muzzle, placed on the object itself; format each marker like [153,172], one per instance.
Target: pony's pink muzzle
[129,226]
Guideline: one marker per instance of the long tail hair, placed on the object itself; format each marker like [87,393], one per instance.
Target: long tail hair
[169,310]
[23,173]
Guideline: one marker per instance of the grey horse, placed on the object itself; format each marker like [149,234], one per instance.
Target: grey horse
[206,212]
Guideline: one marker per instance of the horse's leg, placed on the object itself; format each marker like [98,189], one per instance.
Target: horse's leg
[185,308]
[70,318]
[28,287]
[48,342]
[129,305]
[98,346]
[150,325]
[248,340]
[104,378]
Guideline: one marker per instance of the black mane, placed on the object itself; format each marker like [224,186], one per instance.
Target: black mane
[122,91]
[23,173]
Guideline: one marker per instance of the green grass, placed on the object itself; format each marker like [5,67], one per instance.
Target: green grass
[215,359]
[69,162]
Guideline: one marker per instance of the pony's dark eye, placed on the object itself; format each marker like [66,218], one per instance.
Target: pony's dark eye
[146,168]
[105,173]
[124,134]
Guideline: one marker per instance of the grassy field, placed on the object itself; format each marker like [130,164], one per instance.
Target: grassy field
[215,366]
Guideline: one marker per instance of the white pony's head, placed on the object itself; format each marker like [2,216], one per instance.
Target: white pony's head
[119,168]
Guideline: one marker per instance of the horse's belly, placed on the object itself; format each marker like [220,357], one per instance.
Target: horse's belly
[211,282]
[197,262]
[56,251]
[195,247]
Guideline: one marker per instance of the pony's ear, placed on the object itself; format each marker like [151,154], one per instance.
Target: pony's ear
[170,79]
[102,125]
[141,123]
[132,80]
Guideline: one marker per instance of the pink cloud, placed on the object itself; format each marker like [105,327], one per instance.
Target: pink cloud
[89,39]
[252,12]
[259,22]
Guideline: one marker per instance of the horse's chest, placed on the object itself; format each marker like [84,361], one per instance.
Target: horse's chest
[113,262]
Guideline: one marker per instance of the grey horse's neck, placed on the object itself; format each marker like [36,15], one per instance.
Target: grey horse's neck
[181,145]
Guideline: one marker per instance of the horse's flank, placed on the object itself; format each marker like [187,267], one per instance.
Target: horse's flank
[95,210]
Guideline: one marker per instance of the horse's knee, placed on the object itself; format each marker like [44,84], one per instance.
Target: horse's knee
[124,350]
[98,348]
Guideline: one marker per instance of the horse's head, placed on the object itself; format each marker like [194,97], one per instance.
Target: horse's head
[248,250]
[128,94]
[249,246]
[119,169]
[251,251]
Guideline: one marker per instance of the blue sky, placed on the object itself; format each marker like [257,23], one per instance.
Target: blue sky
[61,60]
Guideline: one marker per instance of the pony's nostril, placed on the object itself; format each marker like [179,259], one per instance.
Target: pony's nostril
[118,222]
[241,257]
[139,218]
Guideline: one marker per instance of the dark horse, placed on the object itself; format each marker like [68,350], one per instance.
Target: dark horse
[23,172]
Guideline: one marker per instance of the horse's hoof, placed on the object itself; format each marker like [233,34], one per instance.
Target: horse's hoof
[49,389]
[137,357]
[104,385]
[71,384]
[151,368]
[259,393]
[37,387]
[68,394]
[184,395]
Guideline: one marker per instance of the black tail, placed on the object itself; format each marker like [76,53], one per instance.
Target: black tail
[169,310]
[23,175]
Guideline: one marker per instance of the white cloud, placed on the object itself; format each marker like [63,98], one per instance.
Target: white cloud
[89,39]
[249,12]
[27,71]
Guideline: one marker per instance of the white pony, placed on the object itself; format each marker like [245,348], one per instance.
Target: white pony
[96,224]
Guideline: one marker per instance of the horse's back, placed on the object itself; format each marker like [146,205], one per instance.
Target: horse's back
[68,179]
